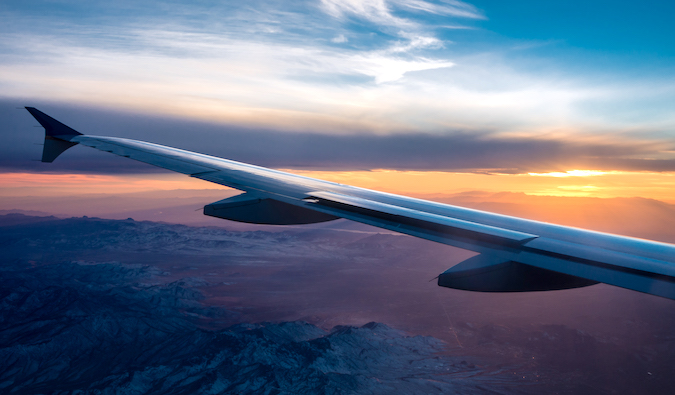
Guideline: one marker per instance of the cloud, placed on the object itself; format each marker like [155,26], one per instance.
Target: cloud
[455,150]
[451,7]
[333,90]
[382,11]
[376,11]
[417,32]
[387,69]
[339,39]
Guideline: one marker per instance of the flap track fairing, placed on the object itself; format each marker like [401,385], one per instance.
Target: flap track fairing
[257,209]
[485,273]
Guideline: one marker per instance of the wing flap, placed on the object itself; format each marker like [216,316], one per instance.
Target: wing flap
[595,256]
[623,270]
[442,225]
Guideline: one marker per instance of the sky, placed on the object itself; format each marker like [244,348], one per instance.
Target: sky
[570,98]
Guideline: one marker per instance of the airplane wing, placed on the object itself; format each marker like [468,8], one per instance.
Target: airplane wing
[514,254]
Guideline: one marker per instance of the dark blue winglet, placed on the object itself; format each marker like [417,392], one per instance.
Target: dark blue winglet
[51,125]
[56,135]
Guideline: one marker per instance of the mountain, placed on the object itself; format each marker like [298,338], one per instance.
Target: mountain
[99,306]
[104,328]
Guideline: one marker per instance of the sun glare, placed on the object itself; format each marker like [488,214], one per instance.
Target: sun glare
[573,173]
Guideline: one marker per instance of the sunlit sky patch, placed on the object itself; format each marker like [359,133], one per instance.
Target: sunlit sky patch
[572,173]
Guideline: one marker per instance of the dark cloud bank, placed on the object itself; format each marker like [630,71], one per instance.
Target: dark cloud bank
[454,151]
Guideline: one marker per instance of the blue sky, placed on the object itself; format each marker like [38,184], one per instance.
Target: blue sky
[627,28]
[594,73]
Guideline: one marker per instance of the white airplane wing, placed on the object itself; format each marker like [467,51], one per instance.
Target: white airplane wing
[515,254]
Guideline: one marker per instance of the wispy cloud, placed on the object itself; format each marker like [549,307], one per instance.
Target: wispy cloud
[417,33]
[383,11]
[376,11]
[340,38]
[284,85]
[449,7]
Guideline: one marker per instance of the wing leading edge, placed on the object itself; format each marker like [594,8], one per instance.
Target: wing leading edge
[515,254]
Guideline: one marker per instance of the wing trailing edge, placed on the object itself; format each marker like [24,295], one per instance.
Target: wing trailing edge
[401,216]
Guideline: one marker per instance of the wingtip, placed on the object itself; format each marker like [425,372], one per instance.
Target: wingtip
[51,125]
[57,135]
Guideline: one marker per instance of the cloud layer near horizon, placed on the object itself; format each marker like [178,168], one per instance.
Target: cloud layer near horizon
[454,150]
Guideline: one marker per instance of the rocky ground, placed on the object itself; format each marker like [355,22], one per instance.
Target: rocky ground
[123,307]
[69,327]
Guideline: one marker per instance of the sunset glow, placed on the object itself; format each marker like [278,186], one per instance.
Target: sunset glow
[572,173]
[45,184]
[658,186]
